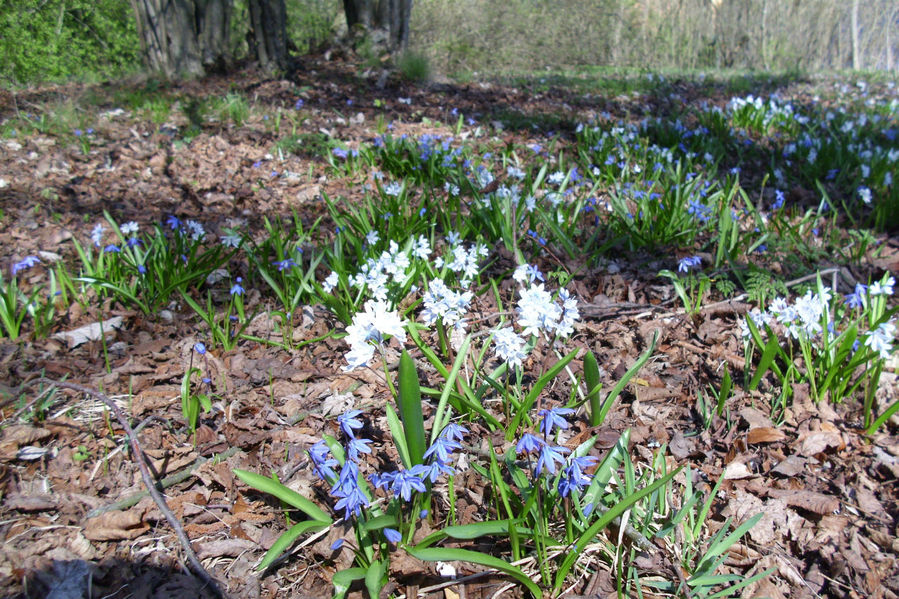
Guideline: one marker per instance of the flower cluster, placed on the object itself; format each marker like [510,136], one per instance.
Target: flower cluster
[538,311]
[374,323]
[809,316]
[401,483]
[377,274]
[442,302]
[345,485]
[551,458]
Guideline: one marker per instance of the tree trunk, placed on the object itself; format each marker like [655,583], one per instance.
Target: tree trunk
[856,47]
[268,20]
[182,38]
[389,16]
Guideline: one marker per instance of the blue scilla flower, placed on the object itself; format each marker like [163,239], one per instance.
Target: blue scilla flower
[24,264]
[436,469]
[454,432]
[528,444]
[392,535]
[441,449]
[688,262]
[142,269]
[112,249]
[173,222]
[553,418]
[237,288]
[549,456]
[323,463]
[856,299]
[357,446]
[284,264]
[340,153]
[381,480]
[407,481]
[351,501]
[200,347]
[348,422]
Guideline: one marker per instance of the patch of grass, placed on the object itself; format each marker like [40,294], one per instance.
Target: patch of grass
[414,67]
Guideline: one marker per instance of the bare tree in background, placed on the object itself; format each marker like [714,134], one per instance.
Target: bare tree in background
[268,19]
[183,37]
[388,17]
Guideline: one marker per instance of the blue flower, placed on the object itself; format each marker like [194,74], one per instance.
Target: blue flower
[112,248]
[441,449]
[340,153]
[392,535]
[26,263]
[407,481]
[142,269]
[324,464]
[454,432]
[348,422]
[553,418]
[549,455]
[352,499]
[200,347]
[298,104]
[173,222]
[284,264]
[528,443]
[688,262]
[337,544]
[357,446]
[237,288]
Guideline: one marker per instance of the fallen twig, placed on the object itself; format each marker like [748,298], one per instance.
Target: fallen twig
[139,456]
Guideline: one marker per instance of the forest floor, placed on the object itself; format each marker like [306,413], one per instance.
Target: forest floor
[826,489]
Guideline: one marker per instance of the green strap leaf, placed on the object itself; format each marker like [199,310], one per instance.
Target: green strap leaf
[287,539]
[288,496]
[410,409]
[446,554]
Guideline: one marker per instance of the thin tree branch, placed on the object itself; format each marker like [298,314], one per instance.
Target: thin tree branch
[139,456]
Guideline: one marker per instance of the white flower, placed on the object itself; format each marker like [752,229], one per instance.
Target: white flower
[374,324]
[451,189]
[393,188]
[330,282]
[882,287]
[372,237]
[527,273]
[453,238]
[536,311]
[509,347]
[129,228]
[881,339]
[421,248]
[231,240]
[515,172]
[196,230]
[446,304]
[97,234]
[556,178]
[865,194]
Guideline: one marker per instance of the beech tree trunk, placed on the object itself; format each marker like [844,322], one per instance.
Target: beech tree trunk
[390,16]
[183,38]
[268,20]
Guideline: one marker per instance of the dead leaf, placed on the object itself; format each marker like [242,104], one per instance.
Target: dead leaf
[224,548]
[737,470]
[818,503]
[792,466]
[116,525]
[765,434]
[90,332]
[814,443]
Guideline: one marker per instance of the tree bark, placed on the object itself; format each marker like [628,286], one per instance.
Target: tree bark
[182,38]
[390,16]
[856,47]
[268,20]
